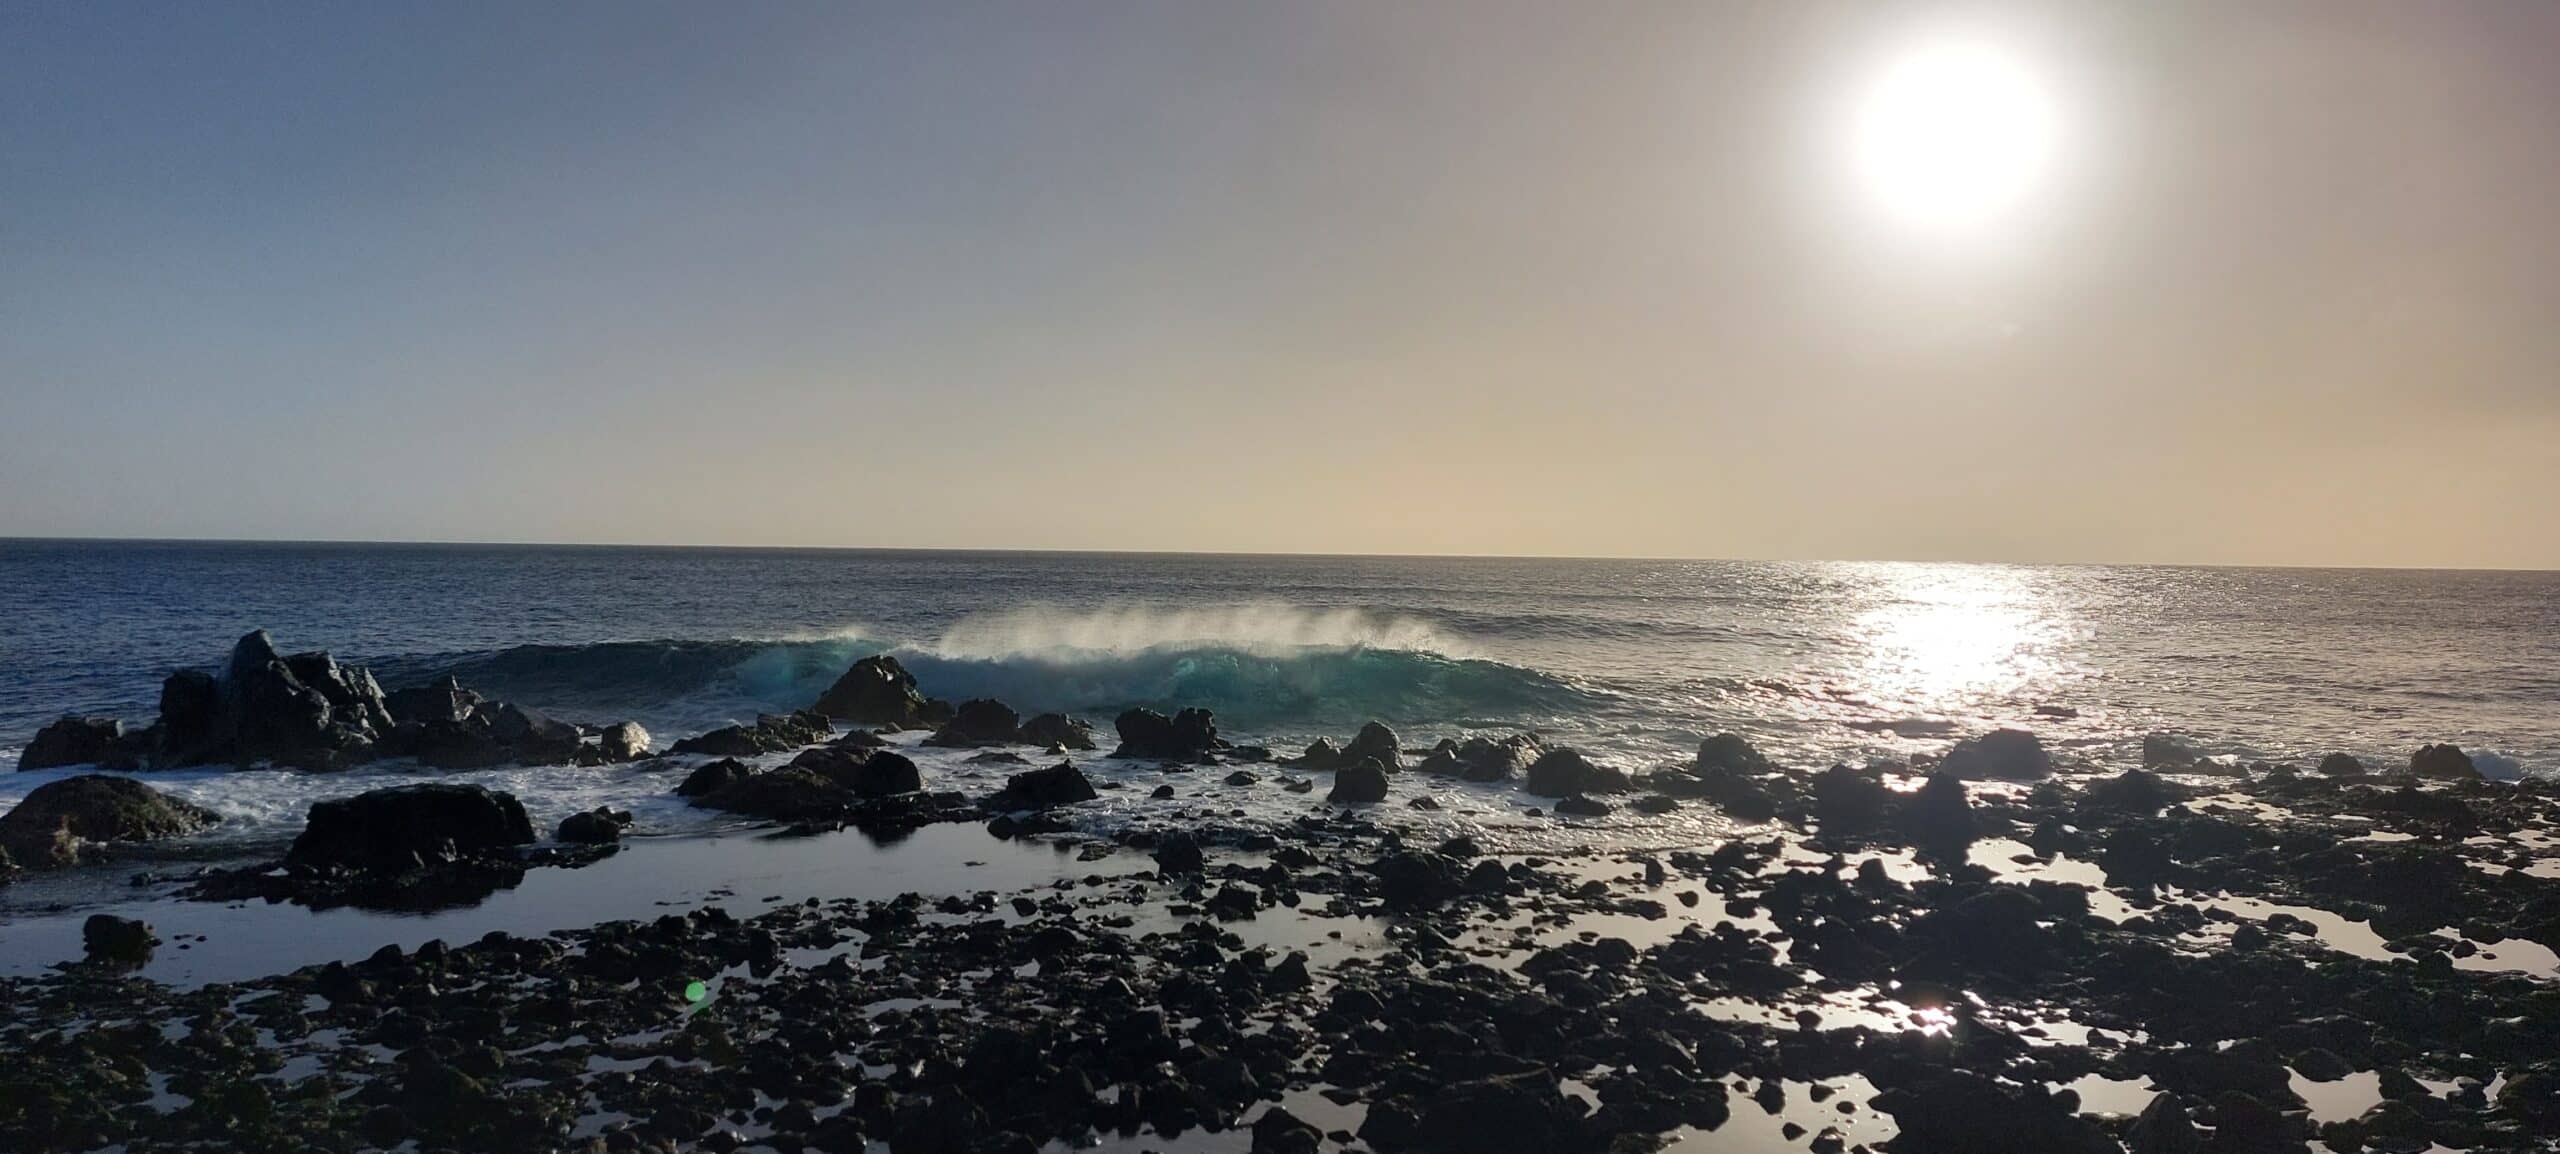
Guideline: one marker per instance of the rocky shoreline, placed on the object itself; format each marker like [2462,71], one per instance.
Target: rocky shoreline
[1981,954]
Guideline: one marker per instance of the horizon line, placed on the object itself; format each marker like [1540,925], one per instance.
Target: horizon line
[7,539]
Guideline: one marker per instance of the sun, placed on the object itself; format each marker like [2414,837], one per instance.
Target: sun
[1953,134]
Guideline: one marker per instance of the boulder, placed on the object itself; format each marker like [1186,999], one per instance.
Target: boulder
[194,727]
[1278,1131]
[1321,756]
[1527,1113]
[1185,736]
[1848,801]
[1483,759]
[1565,772]
[884,773]
[979,721]
[1728,752]
[444,702]
[1962,1110]
[117,941]
[1375,742]
[2163,1128]
[791,793]
[527,736]
[771,733]
[1179,853]
[623,741]
[2133,791]
[714,776]
[2160,749]
[598,826]
[73,741]
[2342,765]
[875,691]
[2443,763]
[400,828]
[1058,729]
[1577,805]
[57,820]
[1938,817]
[2002,754]
[1359,784]
[1060,784]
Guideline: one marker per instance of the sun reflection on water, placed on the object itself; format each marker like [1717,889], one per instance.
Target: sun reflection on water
[1945,639]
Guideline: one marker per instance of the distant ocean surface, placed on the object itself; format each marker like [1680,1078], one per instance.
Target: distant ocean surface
[1631,660]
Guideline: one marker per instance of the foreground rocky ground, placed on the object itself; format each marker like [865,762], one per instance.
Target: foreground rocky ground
[1870,966]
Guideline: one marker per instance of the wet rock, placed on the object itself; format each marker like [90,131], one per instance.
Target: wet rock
[1321,756]
[56,822]
[1058,729]
[1374,742]
[623,741]
[713,777]
[1278,1131]
[1938,817]
[1359,784]
[1526,1112]
[1060,784]
[1179,853]
[1848,801]
[979,721]
[74,741]
[771,733]
[1564,772]
[1414,880]
[598,826]
[442,702]
[2163,1128]
[1185,736]
[875,691]
[2160,749]
[1729,753]
[117,941]
[2443,763]
[1576,805]
[1483,759]
[2133,791]
[1962,1110]
[2321,1065]
[2342,765]
[2002,755]
[396,829]
[884,773]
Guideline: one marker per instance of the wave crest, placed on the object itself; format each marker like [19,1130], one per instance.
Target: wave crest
[1269,629]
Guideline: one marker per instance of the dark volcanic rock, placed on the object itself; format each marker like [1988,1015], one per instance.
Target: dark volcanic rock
[2002,754]
[2342,765]
[1374,742]
[979,721]
[875,691]
[1278,1131]
[598,826]
[1179,853]
[884,773]
[57,819]
[791,793]
[1846,800]
[1060,784]
[714,776]
[1729,752]
[1576,805]
[396,829]
[117,941]
[1059,730]
[771,733]
[623,741]
[74,741]
[1483,759]
[1565,772]
[1183,737]
[2443,763]
[1938,817]
[1322,756]
[1359,784]
[1961,1110]
[2160,749]
[444,702]
[1526,1112]
[2133,791]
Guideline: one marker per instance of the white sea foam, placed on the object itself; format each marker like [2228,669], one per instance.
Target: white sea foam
[1270,628]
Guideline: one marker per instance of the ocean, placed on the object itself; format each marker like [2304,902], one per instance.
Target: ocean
[1631,660]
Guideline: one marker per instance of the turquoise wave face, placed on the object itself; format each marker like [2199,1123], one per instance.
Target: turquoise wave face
[1258,689]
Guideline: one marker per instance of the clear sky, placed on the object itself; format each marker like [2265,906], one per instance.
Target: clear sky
[2195,282]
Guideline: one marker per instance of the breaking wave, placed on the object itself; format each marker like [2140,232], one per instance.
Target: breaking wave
[1256,666]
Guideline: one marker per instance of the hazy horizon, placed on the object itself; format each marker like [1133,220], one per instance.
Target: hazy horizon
[2189,284]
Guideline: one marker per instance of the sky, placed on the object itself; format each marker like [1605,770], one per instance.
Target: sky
[2202,282]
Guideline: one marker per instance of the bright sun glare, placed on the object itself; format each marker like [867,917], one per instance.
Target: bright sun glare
[1953,134]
